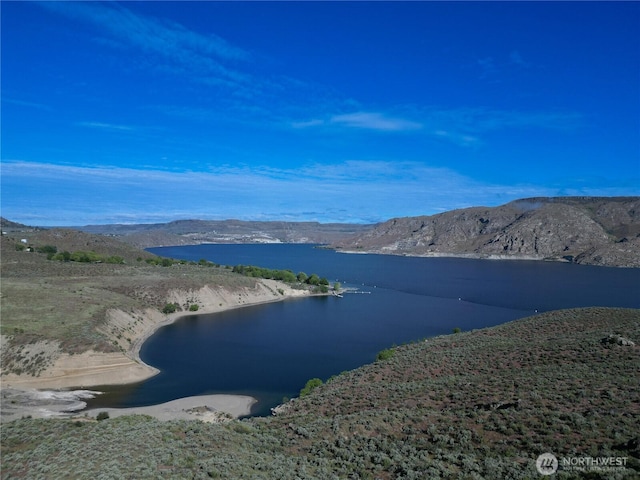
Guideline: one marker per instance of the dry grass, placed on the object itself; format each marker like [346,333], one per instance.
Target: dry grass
[66,302]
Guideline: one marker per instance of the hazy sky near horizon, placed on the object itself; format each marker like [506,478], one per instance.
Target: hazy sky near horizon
[312,111]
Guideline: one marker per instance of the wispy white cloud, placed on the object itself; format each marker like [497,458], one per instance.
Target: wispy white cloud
[243,86]
[106,126]
[462,139]
[160,36]
[464,127]
[374,121]
[273,101]
[353,191]
[202,57]
[316,122]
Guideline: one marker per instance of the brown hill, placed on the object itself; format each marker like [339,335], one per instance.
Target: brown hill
[588,230]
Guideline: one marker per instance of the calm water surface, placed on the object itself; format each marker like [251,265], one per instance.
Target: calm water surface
[269,351]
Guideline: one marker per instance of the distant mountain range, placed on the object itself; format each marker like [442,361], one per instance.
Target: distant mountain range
[588,230]
[190,232]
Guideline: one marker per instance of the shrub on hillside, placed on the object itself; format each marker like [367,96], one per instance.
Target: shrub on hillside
[169,308]
[102,416]
[385,354]
[310,386]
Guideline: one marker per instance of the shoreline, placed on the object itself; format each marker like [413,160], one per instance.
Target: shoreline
[40,396]
[483,256]
[473,256]
[71,404]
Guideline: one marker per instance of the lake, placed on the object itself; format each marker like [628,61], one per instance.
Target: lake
[269,351]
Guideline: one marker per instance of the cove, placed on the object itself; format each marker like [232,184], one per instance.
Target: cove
[269,351]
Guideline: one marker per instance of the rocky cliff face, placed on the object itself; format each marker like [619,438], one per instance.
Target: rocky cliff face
[589,230]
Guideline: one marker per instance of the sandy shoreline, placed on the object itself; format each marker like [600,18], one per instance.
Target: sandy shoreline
[71,376]
[258,299]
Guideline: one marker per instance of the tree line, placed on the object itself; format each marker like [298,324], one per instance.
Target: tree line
[282,275]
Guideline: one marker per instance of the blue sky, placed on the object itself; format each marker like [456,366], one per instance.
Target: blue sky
[312,111]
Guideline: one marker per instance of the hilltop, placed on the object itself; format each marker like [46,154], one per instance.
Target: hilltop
[587,230]
[480,405]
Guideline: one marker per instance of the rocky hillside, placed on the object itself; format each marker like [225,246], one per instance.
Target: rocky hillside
[588,230]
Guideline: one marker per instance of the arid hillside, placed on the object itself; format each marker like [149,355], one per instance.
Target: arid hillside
[588,230]
[478,405]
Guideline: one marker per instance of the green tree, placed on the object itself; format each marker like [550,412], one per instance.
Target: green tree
[302,277]
[287,276]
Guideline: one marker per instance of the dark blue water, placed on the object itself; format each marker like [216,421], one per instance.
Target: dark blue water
[269,351]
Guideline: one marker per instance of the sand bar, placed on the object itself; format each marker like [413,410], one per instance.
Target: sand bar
[19,403]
